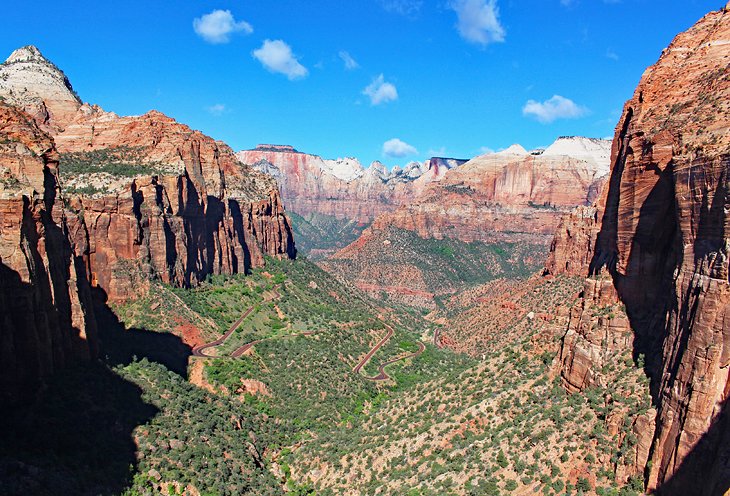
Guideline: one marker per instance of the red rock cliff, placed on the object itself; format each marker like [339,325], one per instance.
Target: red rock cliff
[342,188]
[149,197]
[198,210]
[493,195]
[46,315]
[662,237]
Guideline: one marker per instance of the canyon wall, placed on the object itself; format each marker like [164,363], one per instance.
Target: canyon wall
[342,188]
[148,197]
[496,195]
[490,217]
[657,244]
[46,314]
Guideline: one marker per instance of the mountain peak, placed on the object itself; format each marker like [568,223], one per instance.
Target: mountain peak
[28,53]
[515,149]
[30,81]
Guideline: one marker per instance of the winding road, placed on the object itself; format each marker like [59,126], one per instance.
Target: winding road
[383,375]
[199,351]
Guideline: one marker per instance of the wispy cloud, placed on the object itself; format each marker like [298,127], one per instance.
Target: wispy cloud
[277,56]
[347,59]
[219,25]
[437,152]
[403,7]
[396,148]
[611,54]
[216,110]
[380,91]
[557,107]
[478,21]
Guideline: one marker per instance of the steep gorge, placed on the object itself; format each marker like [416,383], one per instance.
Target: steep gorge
[497,211]
[90,201]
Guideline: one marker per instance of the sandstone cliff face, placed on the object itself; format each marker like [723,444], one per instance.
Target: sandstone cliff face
[506,192]
[663,239]
[343,188]
[198,211]
[32,83]
[46,315]
[509,202]
[150,197]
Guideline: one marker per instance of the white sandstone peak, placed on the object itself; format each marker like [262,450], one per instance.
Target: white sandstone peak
[515,149]
[28,53]
[347,168]
[589,149]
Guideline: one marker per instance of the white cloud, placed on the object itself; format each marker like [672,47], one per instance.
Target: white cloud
[437,152]
[277,56]
[567,3]
[397,148]
[403,7]
[486,150]
[557,107]
[349,62]
[380,92]
[611,54]
[478,21]
[218,26]
[216,110]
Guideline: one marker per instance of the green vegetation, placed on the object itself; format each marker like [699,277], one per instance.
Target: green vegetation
[118,162]
[441,266]
[318,234]
[291,416]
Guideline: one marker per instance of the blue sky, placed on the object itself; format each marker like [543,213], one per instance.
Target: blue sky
[345,77]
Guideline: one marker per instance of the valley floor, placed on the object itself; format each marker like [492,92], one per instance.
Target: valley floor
[301,384]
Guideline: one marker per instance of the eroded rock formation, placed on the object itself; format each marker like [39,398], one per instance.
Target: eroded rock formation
[508,192]
[149,197]
[46,314]
[342,188]
[505,204]
[662,237]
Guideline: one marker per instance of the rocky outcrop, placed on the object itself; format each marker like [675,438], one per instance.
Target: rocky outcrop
[46,314]
[500,208]
[571,250]
[30,82]
[664,220]
[196,211]
[150,197]
[342,188]
[598,331]
[512,191]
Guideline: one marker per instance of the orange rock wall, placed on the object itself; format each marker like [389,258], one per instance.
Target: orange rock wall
[662,237]
[46,314]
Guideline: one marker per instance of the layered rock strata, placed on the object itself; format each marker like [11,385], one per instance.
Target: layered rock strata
[343,188]
[507,192]
[662,237]
[46,313]
[150,196]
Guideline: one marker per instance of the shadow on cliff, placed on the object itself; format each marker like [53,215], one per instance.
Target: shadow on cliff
[649,291]
[695,476]
[120,346]
[66,431]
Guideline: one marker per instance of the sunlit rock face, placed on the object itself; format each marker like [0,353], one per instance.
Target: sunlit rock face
[46,315]
[151,197]
[660,231]
[343,188]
